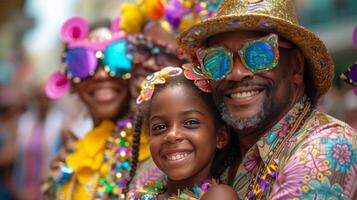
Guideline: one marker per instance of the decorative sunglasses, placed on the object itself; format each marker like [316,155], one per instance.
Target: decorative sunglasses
[256,55]
[81,63]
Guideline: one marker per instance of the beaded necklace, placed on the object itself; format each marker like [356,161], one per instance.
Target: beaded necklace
[116,164]
[113,172]
[269,172]
[153,189]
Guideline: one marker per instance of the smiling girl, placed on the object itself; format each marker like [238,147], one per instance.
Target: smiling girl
[188,141]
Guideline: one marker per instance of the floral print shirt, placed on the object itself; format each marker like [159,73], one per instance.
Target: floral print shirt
[319,160]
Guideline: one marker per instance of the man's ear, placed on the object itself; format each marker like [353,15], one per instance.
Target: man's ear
[222,137]
[298,66]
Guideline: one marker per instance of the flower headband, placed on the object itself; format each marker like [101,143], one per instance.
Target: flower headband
[85,52]
[179,14]
[159,77]
[350,75]
[155,46]
[182,14]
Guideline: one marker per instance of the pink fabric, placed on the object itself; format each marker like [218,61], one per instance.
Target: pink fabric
[96,45]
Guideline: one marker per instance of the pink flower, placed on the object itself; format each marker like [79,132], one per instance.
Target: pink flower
[342,153]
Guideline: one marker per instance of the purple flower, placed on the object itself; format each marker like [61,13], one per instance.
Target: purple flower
[290,181]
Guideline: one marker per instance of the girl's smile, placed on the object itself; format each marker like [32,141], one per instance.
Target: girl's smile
[183,134]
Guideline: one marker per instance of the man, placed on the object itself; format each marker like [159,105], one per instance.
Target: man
[267,74]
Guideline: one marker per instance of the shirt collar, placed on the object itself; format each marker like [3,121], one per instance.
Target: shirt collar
[268,143]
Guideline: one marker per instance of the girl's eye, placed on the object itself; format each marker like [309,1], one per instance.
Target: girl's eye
[192,123]
[158,127]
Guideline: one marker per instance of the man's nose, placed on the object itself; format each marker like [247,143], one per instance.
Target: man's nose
[239,71]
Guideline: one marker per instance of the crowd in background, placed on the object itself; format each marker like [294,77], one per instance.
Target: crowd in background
[31,125]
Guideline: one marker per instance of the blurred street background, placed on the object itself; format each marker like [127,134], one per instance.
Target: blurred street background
[30,49]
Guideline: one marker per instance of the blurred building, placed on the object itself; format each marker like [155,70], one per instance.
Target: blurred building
[334,22]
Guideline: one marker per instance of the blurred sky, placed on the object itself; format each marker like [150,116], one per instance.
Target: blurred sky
[49,16]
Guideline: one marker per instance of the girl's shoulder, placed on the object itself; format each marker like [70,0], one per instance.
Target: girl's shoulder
[220,191]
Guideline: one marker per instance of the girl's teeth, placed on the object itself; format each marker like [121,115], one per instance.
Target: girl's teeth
[244,94]
[176,156]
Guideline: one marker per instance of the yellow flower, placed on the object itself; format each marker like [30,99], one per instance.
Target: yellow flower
[132,19]
[153,9]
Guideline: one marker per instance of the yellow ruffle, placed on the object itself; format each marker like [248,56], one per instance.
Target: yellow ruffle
[86,161]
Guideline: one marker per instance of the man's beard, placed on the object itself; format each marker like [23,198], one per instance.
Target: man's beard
[254,121]
[266,113]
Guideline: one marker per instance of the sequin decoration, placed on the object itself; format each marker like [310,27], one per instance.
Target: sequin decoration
[216,63]
[260,55]
[159,77]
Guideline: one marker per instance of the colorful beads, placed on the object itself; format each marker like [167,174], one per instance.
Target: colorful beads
[64,174]
[116,164]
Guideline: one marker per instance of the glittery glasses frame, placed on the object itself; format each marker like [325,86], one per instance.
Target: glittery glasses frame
[226,57]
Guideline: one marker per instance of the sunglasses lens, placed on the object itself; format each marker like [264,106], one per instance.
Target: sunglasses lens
[259,56]
[81,62]
[117,59]
[216,63]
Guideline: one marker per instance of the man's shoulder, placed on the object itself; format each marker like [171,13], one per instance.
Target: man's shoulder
[320,161]
[320,125]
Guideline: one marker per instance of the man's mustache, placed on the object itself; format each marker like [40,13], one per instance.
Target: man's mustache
[245,83]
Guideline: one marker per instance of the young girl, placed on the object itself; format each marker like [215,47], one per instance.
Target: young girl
[188,141]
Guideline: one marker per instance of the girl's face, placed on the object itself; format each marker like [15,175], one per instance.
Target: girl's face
[104,96]
[183,135]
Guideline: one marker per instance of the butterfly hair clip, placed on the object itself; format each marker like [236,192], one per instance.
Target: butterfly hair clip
[194,72]
[159,77]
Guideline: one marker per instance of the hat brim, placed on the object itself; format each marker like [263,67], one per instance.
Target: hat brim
[320,64]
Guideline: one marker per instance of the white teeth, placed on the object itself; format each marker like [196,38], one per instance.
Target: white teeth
[176,156]
[244,94]
[104,94]
[104,91]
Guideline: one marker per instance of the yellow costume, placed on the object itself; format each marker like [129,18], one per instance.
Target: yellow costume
[88,163]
